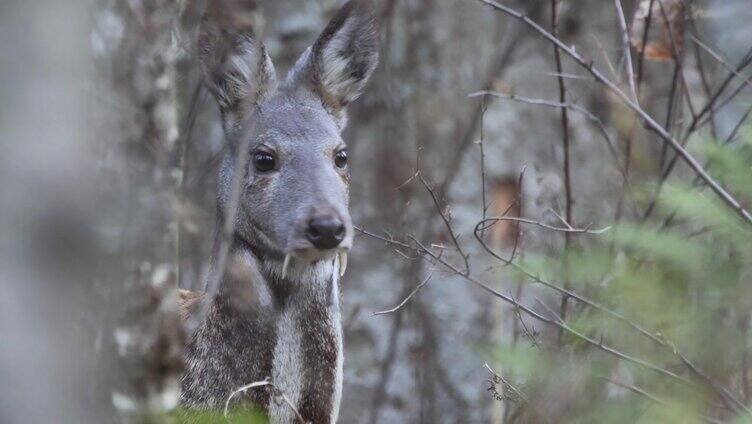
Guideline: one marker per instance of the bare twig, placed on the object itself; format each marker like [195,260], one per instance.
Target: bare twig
[406,299]
[497,379]
[727,398]
[641,57]
[447,223]
[531,335]
[712,104]
[569,229]
[564,118]
[554,315]
[408,181]
[671,102]
[627,49]
[520,207]
[568,76]
[648,395]
[276,392]
[699,62]
[745,79]
[243,389]
[484,203]
[635,389]
[738,126]
[566,155]
[720,105]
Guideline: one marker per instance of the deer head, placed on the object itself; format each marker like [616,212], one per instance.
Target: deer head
[296,187]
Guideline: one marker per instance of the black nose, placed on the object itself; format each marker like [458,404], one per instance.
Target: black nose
[325,233]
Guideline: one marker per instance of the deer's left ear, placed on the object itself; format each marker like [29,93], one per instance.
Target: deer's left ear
[237,69]
[344,56]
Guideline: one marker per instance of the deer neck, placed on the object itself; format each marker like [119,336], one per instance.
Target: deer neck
[307,352]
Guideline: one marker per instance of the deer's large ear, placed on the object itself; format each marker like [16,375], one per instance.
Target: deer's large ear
[343,57]
[237,69]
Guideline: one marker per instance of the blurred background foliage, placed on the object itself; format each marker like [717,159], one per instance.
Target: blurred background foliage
[110,144]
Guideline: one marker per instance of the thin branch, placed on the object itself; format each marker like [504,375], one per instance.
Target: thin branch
[627,49]
[670,112]
[531,335]
[641,58]
[406,299]
[243,389]
[562,220]
[496,379]
[635,389]
[711,104]
[520,207]
[738,126]
[554,315]
[745,79]
[727,398]
[678,76]
[564,118]
[566,155]
[408,181]
[720,105]
[568,229]
[568,76]
[484,203]
[276,392]
[447,223]
[699,63]
[650,396]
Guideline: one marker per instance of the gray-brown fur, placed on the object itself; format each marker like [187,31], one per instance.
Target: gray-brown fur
[268,321]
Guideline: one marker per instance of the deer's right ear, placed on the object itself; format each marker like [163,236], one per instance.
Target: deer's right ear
[237,69]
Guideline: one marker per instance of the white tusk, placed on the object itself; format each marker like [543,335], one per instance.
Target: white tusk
[342,262]
[285,264]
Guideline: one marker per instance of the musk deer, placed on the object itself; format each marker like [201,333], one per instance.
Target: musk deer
[276,311]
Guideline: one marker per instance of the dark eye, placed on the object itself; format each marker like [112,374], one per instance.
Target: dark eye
[340,158]
[264,161]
